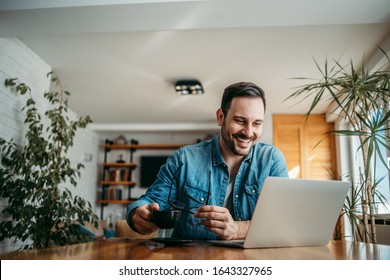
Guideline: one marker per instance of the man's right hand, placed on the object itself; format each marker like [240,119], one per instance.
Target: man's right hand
[141,218]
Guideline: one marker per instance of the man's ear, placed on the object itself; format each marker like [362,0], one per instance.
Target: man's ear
[220,116]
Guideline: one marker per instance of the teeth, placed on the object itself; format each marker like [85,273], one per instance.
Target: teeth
[243,140]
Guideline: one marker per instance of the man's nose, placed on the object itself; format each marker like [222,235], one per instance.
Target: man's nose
[247,130]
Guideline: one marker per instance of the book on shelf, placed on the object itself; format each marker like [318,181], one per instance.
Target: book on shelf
[117,174]
[112,193]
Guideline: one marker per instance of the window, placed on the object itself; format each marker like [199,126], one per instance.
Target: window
[382,175]
[351,162]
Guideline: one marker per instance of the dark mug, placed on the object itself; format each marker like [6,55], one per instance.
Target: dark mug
[165,218]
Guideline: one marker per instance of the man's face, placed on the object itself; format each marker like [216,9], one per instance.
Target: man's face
[242,126]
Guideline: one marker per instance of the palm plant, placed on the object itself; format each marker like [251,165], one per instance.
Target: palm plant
[359,97]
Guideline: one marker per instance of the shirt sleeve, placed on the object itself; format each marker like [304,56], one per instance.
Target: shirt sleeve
[160,190]
[279,167]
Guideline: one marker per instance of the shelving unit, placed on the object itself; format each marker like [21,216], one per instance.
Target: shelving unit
[126,167]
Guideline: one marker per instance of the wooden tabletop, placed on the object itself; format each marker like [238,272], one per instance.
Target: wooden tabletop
[136,249]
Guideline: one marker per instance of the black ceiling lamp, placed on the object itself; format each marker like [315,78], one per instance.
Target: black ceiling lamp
[189,87]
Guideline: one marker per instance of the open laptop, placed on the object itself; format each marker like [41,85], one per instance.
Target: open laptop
[293,212]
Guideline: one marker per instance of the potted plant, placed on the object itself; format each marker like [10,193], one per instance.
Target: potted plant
[360,98]
[41,210]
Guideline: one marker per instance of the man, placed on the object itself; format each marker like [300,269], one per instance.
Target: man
[219,180]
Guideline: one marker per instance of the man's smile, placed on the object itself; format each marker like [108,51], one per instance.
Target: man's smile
[242,140]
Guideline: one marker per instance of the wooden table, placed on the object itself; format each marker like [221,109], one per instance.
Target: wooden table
[136,249]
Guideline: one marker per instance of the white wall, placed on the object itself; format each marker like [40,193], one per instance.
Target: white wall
[17,60]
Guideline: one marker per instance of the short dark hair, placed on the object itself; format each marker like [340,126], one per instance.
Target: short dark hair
[238,90]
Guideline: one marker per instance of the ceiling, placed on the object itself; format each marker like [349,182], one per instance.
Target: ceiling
[120,59]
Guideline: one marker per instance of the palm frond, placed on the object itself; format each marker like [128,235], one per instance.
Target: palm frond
[359,96]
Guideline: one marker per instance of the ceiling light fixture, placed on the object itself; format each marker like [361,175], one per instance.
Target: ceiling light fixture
[189,87]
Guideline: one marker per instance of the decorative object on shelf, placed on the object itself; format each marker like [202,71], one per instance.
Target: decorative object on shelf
[40,209]
[123,171]
[189,87]
[120,140]
[109,142]
[120,160]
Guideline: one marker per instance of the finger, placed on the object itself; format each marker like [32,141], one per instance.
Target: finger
[145,211]
[214,224]
[142,216]
[223,233]
[212,208]
[222,229]
[212,212]
[144,225]
[153,207]
[223,217]
[222,214]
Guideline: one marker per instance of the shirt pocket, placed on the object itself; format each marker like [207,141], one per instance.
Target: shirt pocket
[195,197]
[252,192]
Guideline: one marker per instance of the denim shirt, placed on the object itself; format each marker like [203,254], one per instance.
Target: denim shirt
[197,175]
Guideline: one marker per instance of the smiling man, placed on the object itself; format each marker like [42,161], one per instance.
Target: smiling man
[216,182]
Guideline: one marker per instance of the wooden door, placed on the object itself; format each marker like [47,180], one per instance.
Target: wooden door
[307,145]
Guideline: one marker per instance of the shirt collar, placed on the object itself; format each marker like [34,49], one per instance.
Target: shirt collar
[217,154]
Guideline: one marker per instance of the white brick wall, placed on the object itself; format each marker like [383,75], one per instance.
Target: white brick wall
[17,60]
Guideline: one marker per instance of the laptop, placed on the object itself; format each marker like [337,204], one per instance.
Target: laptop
[293,212]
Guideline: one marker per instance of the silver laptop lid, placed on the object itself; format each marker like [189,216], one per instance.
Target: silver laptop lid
[296,212]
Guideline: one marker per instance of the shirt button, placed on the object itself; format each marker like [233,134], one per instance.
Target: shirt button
[253,191]
[202,199]
[236,195]
[239,219]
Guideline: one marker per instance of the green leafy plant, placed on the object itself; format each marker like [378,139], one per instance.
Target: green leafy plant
[360,97]
[42,211]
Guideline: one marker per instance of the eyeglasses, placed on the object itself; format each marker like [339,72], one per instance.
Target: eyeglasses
[178,205]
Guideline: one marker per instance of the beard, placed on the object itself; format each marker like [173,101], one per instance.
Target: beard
[231,144]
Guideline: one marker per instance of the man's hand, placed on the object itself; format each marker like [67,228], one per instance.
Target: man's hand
[218,220]
[141,218]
